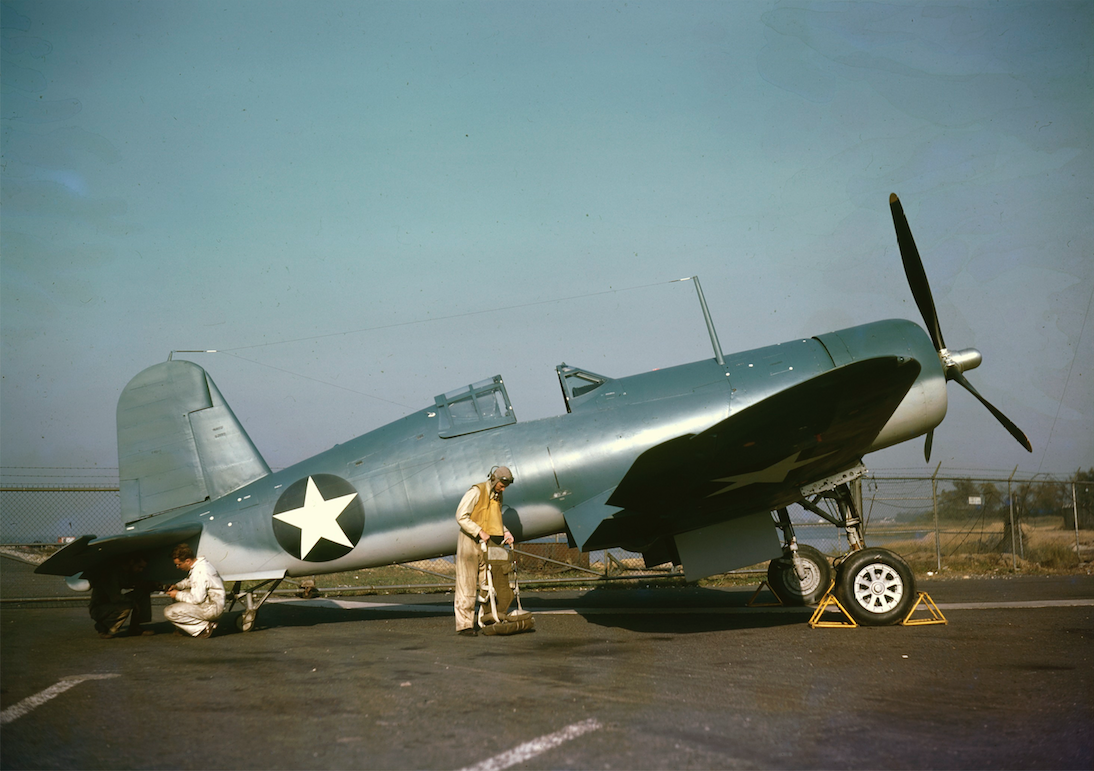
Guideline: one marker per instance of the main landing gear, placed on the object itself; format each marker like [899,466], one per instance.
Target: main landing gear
[875,586]
[802,575]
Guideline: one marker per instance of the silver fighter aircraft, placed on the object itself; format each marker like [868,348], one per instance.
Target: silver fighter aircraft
[694,465]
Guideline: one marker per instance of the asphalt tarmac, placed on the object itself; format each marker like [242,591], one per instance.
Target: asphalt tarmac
[611,678]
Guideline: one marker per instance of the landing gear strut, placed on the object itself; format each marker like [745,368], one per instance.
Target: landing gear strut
[875,586]
[802,575]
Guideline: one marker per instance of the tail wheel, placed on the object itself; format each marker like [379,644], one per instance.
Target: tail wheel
[876,587]
[246,620]
[792,590]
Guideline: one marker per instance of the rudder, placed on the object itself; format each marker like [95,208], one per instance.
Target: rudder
[179,443]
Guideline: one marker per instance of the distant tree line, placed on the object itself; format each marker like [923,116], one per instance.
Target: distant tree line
[1031,499]
[1084,498]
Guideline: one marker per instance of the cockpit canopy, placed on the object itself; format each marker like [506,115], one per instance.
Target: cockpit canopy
[485,405]
[578,385]
[476,407]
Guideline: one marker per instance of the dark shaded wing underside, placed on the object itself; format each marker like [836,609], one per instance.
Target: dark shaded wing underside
[88,552]
[757,459]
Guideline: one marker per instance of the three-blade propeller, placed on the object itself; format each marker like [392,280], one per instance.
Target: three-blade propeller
[955,363]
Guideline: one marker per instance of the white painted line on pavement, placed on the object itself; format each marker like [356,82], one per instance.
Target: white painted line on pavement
[686,611]
[1016,604]
[529,750]
[334,602]
[38,699]
[328,602]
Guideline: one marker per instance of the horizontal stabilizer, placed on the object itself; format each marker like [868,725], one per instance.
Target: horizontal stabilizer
[178,442]
[88,552]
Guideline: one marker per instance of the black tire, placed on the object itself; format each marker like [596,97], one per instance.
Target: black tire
[876,587]
[784,581]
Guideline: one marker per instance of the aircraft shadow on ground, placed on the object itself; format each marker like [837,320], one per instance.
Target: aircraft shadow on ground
[634,619]
[693,623]
[682,611]
[688,610]
[289,615]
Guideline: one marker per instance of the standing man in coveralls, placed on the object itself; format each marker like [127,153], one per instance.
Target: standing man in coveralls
[479,517]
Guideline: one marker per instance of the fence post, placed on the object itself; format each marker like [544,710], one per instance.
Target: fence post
[934,502]
[1010,497]
[1075,515]
[1022,511]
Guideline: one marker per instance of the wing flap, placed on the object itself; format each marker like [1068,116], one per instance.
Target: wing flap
[583,520]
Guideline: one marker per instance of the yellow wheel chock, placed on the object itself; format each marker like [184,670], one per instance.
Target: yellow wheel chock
[924,601]
[936,616]
[827,601]
[753,604]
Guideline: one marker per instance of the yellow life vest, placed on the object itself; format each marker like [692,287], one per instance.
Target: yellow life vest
[487,511]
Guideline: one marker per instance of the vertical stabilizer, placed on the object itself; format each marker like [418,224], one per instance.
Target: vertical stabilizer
[179,442]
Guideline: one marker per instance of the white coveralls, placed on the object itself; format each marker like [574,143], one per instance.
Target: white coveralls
[470,565]
[200,600]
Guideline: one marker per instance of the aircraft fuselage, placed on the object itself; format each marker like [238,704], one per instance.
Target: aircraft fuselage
[409,479]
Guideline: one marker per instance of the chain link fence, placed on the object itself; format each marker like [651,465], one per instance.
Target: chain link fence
[54,513]
[935,523]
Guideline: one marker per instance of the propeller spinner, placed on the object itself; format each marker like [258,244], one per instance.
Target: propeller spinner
[956,363]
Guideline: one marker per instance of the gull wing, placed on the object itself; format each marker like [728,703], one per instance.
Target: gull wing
[758,458]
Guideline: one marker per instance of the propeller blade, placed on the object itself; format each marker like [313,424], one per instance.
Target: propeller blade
[1007,424]
[927,446]
[913,269]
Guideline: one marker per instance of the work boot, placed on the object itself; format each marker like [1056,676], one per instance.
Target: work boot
[467,633]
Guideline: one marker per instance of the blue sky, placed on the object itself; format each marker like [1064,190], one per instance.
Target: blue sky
[333,193]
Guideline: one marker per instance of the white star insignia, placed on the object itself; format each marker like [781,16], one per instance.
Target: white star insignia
[318,518]
[774,473]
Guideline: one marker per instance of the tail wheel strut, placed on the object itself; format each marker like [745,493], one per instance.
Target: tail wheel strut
[246,620]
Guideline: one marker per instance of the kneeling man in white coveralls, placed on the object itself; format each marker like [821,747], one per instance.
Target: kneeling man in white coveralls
[199,598]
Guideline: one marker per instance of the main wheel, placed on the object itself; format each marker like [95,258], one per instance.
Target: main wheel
[784,581]
[876,587]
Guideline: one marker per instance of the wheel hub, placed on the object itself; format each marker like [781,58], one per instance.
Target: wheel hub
[811,580]
[878,588]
